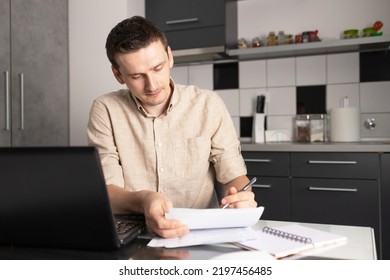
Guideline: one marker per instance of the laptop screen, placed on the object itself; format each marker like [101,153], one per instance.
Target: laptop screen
[55,197]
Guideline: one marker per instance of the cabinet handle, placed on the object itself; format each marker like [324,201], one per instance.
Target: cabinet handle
[261,186]
[331,162]
[332,189]
[179,21]
[7,102]
[257,160]
[21,75]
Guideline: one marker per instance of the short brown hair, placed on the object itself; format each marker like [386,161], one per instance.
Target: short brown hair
[132,34]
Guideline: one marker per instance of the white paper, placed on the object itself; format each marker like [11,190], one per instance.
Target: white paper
[216,217]
[212,226]
[206,236]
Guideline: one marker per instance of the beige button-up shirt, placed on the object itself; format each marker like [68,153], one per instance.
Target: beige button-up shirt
[179,153]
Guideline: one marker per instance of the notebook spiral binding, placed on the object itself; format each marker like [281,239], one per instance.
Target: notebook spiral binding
[287,235]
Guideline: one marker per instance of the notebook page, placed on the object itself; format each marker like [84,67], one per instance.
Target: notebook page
[318,237]
[277,246]
[282,247]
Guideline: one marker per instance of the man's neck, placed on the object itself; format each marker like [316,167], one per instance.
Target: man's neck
[157,111]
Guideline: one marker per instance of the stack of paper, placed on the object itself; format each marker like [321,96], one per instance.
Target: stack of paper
[211,226]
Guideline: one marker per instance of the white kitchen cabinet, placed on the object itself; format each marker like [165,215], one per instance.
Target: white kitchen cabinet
[34,65]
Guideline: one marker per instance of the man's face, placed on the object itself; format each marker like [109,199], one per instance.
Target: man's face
[146,72]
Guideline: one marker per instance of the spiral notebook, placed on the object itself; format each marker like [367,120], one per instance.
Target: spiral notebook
[291,239]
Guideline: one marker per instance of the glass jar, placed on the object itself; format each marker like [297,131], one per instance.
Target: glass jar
[302,124]
[317,128]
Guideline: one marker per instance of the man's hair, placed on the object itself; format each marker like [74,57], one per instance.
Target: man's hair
[132,34]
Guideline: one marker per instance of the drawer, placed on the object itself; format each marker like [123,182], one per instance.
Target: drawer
[274,194]
[336,201]
[172,15]
[267,164]
[335,165]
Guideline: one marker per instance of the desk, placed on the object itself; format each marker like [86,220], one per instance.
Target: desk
[360,245]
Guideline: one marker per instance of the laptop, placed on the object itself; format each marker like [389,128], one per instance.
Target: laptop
[57,197]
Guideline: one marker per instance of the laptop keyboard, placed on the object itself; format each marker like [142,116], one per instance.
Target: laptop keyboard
[129,227]
[125,227]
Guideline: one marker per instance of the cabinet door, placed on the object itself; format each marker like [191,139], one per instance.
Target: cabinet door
[172,15]
[39,57]
[335,165]
[348,202]
[272,189]
[336,201]
[385,205]
[274,194]
[267,163]
[5,68]
[190,24]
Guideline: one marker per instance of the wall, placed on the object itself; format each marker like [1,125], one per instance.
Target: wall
[90,21]
[331,17]
[90,74]
[279,79]
[340,73]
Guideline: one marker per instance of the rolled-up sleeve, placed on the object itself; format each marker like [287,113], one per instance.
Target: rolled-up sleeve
[225,146]
[100,135]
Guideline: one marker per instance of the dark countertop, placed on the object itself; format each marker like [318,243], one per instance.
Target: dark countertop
[364,146]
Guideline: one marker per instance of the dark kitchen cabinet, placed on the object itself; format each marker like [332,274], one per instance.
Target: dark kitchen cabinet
[329,187]
[272,189]
[34,66]
[385,205]
[192,24]
[336,188]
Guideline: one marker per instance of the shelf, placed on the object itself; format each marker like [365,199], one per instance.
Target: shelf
[324,47]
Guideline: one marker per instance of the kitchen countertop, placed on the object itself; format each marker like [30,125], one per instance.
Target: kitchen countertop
[364,146]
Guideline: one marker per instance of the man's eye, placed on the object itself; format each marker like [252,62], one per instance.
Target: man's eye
[158,68]
[135,77]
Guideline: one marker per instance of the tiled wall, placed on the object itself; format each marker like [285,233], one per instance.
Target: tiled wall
[278,79]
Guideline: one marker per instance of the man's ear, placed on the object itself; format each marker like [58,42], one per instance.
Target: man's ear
[117,75]
[170,56]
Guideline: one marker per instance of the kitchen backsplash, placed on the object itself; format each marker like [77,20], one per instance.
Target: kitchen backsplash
[363,77]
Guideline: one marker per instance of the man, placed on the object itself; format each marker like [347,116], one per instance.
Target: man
[162,145]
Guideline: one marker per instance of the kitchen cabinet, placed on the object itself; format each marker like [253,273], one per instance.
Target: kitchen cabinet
[336,188]
[324,187]
[272,189]
[204,26]
[34,66]
[385,205]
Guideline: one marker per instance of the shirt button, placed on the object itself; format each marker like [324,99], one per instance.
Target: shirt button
[162,169]
[160,144]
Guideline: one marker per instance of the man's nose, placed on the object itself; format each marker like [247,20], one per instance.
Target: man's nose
[151,83]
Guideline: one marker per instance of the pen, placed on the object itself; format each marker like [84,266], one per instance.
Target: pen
[247,186]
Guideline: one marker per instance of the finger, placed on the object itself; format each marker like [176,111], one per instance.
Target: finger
[229,192]
[175,232]
[239,199]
